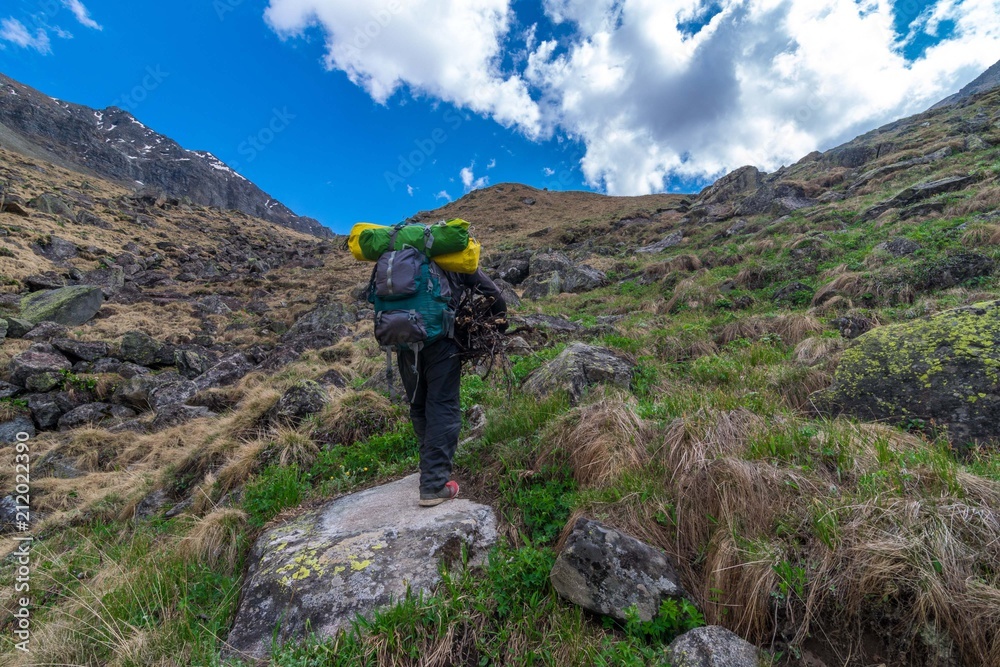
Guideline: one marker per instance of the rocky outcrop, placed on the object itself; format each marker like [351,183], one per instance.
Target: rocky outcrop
[579,367]
[70,306]
[351,556]
[945,370]
[669,241]
[112,144]
[609,573]
[302,399]
[916,193]
[711,646]
[553,273]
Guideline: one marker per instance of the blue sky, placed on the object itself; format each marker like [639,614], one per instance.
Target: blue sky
[439,97]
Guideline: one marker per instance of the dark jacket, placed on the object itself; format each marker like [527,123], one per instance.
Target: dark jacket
[481,284]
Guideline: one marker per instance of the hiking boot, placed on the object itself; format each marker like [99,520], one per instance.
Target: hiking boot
[447,492]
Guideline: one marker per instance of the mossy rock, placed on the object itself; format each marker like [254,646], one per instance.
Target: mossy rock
[69,306]
[944,371]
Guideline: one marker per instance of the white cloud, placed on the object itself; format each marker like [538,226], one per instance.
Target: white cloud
[762,82]
[13,31]
[469,180]
[548,171]
[445,49]
[443,195]
[409,190]
[82,15]
[492,163]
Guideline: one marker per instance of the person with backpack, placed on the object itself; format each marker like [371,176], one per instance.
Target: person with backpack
[431,379]
[421,274]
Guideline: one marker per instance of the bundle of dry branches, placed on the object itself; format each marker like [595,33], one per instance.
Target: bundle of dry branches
[478,332]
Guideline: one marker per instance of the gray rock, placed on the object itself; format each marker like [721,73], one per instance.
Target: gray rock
[550,322]
[579,367]
[711,646]
[51,204]
[46,409]
[8,390]
[669,241]
[227,371]
[899,246]
[17,327]
[191,363]
[71,306]
[93,414]
[607,572]
[173,393]
[46,332]
[39,359]
[175,414]
[139,347]
[46,381]
[10,429]
[56,249]
[304,398]
[81,350]
[513,271]
[137,392]
[546,262]
[510,297]
[214,305]
[541,285]
[942,370]
[917,193]
[3,329]
[351,556]
[322,319]
[733,186]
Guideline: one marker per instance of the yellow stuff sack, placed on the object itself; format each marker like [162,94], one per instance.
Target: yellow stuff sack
[463,261]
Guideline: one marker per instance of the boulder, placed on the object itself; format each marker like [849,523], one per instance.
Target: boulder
[734,185]
[669,241]
[352,556]
[304,398]
[3,329]
[137,391]
[549,322]
[608,573]
[578,367]
[20,424]
[70,306]
[56,249]
[711,646]
[17,327]
[139,348]
[8,390]
[541,285]
[514,271]
[227,371]
[899,246]
[46,332]
[510,297]
[172,393]
[46,409]
[51,204]
[944,369]
[191,363]
[917,193]
[172,415]
[322,319]
[93,414]
[81,350]
[39,359]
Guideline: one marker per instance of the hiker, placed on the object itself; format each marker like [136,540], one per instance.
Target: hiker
[432,379]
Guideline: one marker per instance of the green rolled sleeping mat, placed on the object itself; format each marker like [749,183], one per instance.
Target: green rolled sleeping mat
[441,238]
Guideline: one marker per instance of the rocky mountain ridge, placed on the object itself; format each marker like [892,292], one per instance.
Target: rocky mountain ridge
[113,144]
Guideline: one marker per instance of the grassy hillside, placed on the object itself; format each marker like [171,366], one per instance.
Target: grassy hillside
[825,541]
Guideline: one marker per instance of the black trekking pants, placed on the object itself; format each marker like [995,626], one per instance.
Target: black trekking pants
[434,408]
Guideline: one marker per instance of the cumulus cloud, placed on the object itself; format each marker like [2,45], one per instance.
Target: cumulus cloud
[13,31]
[81,14]
[409,190]
[469,180]
[660,90]
[548,171]
[492,163]
[443,195]
[450,50]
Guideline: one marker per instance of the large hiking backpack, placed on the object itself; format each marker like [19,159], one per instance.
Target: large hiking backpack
[411,296]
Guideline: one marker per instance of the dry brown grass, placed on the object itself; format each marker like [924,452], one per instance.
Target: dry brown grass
[354,417]
[848,284]
[792,328]
[982,234]
[984,200]
[215,539]
[291,446]
[694,292]
[601,440]
[818,350]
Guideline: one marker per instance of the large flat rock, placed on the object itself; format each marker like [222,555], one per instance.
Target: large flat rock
[351,556]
